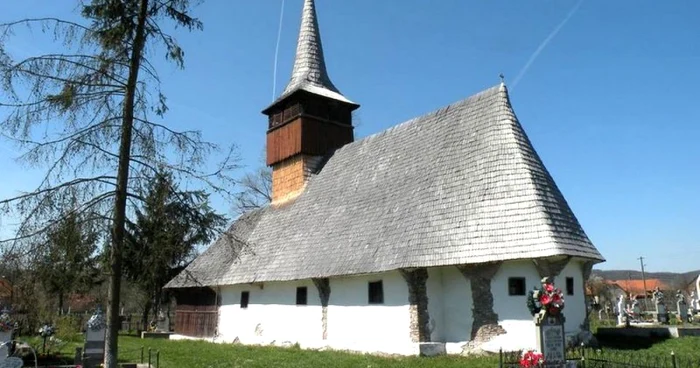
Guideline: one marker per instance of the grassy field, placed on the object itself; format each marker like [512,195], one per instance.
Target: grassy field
[198,354]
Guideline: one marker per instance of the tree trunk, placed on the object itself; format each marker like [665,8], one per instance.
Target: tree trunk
[60,303]
[146,313]
[156,304]
[115,257]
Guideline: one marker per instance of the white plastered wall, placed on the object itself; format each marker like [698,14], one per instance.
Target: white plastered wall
[356,325]
[575,307]
[272,315]
[512,311]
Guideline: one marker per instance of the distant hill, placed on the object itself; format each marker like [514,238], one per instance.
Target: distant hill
[669,278]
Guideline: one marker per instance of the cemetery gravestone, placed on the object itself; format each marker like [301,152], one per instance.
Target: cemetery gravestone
[551,339]
[546,305]
[621,310]
[95,340]
[636,309]
[163,324]
[697,295]
[661,312]
[682,306]
[7,326]
[11,362]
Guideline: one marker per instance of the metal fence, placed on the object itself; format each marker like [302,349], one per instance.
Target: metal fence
[597,358]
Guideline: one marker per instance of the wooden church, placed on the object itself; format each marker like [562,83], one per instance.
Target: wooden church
[425,235]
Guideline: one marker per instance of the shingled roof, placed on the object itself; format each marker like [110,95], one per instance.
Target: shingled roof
[309,72]
[460,185]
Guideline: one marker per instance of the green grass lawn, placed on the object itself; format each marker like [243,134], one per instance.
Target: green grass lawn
[198,354]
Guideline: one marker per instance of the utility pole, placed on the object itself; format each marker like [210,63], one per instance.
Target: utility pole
[644,281]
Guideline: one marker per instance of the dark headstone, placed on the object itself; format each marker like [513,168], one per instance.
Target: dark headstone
[551,340]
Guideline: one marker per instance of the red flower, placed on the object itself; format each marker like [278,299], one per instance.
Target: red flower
[545,299]
[531,359]
[556,298]
[548,288]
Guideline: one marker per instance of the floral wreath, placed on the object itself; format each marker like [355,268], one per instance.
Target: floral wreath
[46,330]
[531,358]
[546,299]
[6,323]
[97,321]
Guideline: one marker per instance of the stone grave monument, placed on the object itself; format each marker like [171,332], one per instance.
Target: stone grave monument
[682,306]
[12,362]
[696,307]
[94,350]
[636,310]
[546,305]
[7,327]
[661,311]
[660,304]
[163,322]
[693,302]
[623,317]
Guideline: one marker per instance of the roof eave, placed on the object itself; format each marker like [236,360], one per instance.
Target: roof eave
[319,91]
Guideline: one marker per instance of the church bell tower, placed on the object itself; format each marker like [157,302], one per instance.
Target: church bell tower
[311,118]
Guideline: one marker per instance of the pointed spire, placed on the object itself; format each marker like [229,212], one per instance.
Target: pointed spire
[309,63]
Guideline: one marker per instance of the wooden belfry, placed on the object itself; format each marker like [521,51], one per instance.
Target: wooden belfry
[311,118]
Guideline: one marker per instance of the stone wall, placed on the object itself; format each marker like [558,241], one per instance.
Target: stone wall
[550,268]
[324,293]
[485,325]
[290,176]
[418,303]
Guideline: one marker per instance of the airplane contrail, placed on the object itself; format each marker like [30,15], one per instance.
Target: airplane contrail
[544,44]
[277,51]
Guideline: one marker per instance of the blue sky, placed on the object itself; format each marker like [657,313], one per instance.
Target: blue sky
[610,102]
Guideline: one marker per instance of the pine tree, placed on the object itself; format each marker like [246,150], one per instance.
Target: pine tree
[86,115]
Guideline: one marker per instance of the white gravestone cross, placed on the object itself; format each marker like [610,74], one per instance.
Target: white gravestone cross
[697,295]
[621,310]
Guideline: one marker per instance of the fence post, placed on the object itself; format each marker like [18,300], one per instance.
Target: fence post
[673,359]
[157,358]
[149,357]
[500,358]
[142,354]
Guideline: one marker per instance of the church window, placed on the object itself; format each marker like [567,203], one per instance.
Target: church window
[516,286]
[569,286]
[376,292]
[245,296]
[302,292]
